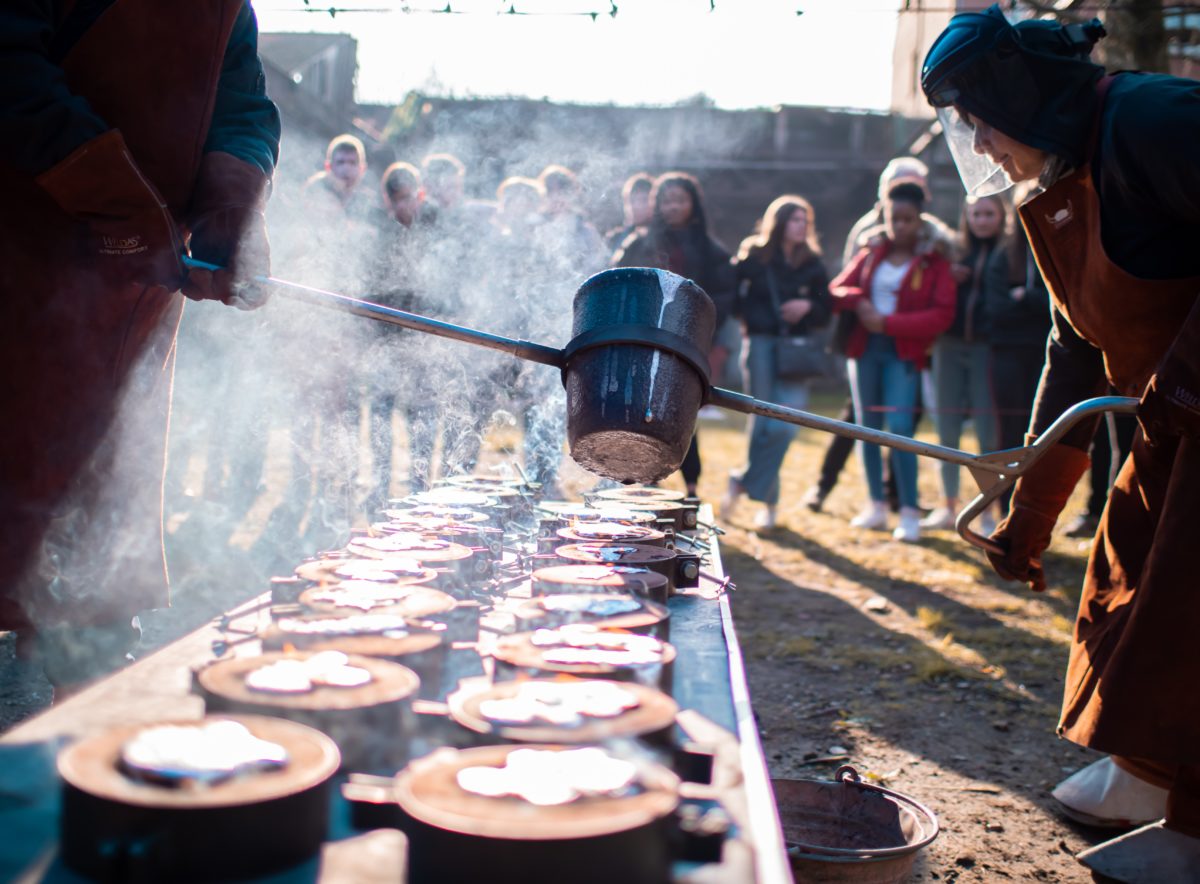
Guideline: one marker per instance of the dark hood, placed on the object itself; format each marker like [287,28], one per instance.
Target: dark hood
[1033,81]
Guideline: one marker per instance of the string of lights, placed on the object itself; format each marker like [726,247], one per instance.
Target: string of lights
[510,8]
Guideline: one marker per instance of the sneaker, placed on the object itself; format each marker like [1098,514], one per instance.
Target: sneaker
[1082,526]
[874,517]
[909,529]
[814,499]
[766,518]
[987,523]
[941,519]
[729,503]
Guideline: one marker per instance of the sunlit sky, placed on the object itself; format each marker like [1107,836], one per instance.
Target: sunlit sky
[743,53]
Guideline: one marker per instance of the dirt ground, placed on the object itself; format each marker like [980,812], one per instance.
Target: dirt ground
[913,662]
[934,677]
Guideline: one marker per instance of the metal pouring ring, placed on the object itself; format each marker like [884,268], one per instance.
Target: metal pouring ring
[645,336]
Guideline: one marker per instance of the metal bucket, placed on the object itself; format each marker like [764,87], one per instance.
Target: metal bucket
[845,830]
[636,371]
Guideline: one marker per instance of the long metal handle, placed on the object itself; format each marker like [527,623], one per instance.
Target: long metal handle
[344,304]
[1019,460]
[993,472]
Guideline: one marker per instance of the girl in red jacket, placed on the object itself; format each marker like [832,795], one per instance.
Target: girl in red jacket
[902,300]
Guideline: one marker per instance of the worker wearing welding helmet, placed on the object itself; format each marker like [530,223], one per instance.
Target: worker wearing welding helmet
[128,133]
[1115,235]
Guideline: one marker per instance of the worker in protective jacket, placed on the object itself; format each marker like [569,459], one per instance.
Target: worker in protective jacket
[1114,233]
[129,133]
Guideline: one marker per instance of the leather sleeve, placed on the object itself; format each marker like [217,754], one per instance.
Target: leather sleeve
[245,121]
[1074,371]
[41,121]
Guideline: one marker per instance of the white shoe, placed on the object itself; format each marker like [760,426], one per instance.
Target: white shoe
[987,523]
[1152,854]
[711,413]
[1106,796]
[874,517]
[909,529]
[941,519]
[766,518]
[729,503]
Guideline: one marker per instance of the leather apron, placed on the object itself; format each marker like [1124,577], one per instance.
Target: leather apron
[87,367]
[1133,680]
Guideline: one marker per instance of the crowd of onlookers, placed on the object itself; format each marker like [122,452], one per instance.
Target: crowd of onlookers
[930,320]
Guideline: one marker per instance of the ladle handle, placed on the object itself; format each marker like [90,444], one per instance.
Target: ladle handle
[993,471]
[1019,460]
[345,304]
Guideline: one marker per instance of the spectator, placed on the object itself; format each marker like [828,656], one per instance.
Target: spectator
[569,240]
[902,296]
[334,193]
[677,239]
[452,270]
[337,245]
[869,228]
[401,243]
[635,197]
[962,356]
[1018,309]
[783,289]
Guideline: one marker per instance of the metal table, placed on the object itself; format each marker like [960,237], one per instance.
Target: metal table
[710,686]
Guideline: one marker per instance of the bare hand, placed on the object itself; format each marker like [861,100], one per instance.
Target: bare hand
[869,316]
[794,310]
[1017,292]
[960,272]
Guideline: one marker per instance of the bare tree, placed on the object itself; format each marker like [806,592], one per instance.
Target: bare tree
[1137,36]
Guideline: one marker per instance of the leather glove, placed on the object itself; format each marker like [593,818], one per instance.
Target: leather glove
[132,238]
[229,229]
[1038,498]
[1170,404]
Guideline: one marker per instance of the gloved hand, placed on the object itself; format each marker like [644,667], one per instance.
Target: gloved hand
[132,238]
[229,229]
[1170,404]
[1038,498]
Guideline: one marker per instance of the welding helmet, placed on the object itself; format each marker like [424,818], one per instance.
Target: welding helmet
[1032,81]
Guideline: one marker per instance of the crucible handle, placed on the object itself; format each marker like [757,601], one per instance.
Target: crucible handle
[345,304]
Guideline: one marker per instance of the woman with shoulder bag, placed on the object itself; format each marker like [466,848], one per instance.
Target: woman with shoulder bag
[783,301]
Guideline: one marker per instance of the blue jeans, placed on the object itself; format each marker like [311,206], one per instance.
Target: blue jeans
[962,375]
[769,439]
[884,388]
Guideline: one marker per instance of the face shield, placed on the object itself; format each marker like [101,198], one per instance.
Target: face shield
[981,176]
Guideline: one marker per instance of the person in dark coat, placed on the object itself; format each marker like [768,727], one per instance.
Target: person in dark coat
[677,239]
[635,200]
[126,132]
[1114,233]
[962,357]
[783,288]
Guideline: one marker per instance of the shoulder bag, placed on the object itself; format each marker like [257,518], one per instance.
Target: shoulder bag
[797,357]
